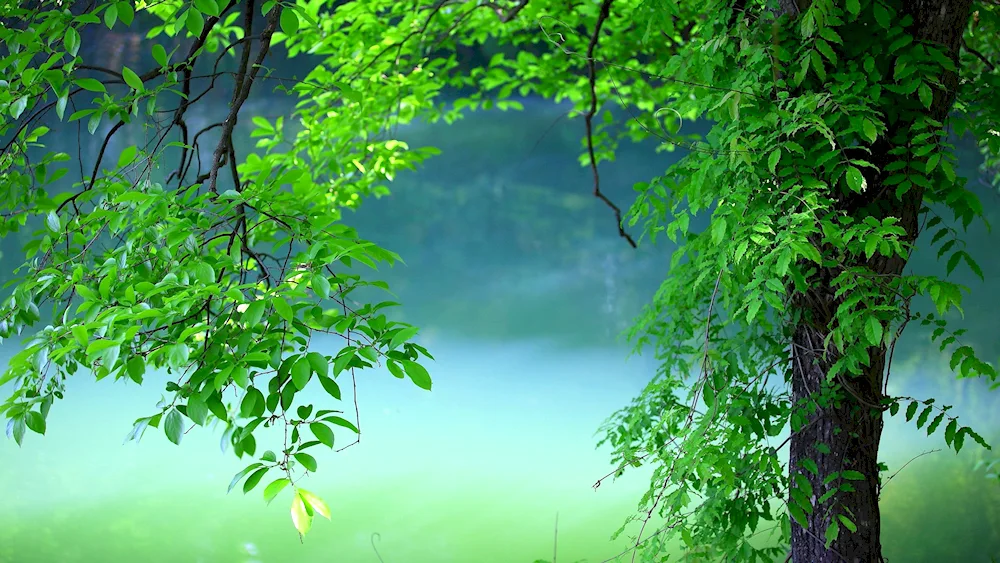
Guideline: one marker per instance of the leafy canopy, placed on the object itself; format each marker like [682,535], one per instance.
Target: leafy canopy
[221,276]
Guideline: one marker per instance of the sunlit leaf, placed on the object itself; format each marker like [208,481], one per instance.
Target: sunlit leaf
[301,518]
[315,502]
[274,488]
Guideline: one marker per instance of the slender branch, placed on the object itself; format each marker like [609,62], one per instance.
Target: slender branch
[589,118]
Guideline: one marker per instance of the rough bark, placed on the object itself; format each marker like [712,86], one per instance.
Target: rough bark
[850,427]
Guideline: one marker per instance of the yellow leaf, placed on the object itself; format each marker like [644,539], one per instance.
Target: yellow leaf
[316,503]
[300,515]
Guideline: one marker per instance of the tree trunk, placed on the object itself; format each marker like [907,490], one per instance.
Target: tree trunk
[850,427]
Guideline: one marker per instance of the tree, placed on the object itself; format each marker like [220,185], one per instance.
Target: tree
[828,156]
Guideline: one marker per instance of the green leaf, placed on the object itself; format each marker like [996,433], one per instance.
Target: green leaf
[318,363]
[330,386]
[343,358]
[935,423]
[253,313]
[949,431]
[847,523]
[173,426]
[125,12]
[321,286]
[300,515]
[832,531]
[772,160]
[852,475]
[127,156]
[18,107]
[160,55]
[342,422]
[911,410]
[209,7]
[61,106]
[194,22]
[404,335]
[922,418]
[177,355]
[873,331]
[882,15]
[932,162]
[71,40]
[798,514]
[274,488]
[242,474]
[52,222]
[94,122]
[953,262]
[132,79]
[254,478]
[100,345]
[753,308]
[708,395]
[35,422]
[856,180]
[322,433]
[241,376]
[979,439]
[250,401]
[197,410]
[315,502]
[289,22]
[301,372]
[111,15]
[136,367]
[719,227]
[809,465]
[869,131]
[417,374]
[215,405]
[925,95]
[307,461]
[90,84]
[16,427]
[283,308]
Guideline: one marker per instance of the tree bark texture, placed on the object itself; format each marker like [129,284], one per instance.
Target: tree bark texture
[851,427]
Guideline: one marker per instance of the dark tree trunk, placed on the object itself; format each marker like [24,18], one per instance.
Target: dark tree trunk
[850,426]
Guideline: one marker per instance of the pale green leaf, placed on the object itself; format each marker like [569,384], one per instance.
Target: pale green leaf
[315,502]
[300,515]
[274,488]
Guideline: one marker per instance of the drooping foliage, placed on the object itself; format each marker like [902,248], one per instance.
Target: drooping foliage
[829,154]
[183,255]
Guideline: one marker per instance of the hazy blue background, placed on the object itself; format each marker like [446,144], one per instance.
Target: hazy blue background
[521,286]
